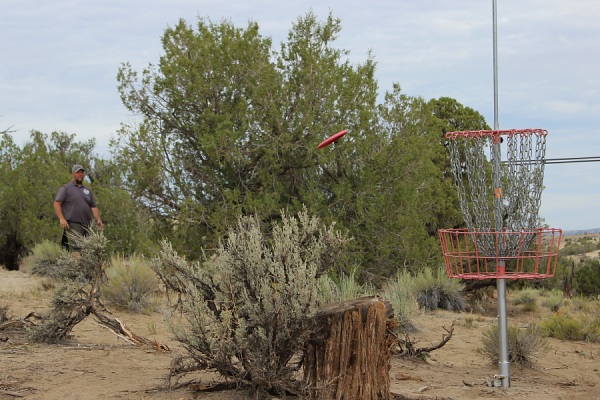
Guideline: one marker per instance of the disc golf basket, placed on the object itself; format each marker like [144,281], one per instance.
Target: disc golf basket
[500,202]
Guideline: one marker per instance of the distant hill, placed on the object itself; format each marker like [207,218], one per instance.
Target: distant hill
[581,231]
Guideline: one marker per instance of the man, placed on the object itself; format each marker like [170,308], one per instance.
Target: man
[74,206]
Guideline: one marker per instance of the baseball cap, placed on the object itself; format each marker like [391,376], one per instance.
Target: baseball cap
[77,168]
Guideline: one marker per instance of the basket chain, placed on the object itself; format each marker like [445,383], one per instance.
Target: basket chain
[521,177]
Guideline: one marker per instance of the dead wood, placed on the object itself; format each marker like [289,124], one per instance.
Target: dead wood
[348,355]
[20,324]
[121,330]
[10,393]
[406,347]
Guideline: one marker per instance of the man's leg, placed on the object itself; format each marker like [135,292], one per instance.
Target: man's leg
[64,241]
[75,232]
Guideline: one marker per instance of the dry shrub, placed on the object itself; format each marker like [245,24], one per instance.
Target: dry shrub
[81,278]
[248,308]
[523,344]
[553,299]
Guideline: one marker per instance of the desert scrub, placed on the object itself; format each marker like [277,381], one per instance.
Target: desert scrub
[248,309]
[564,327]
[43,259]
[524,344]
[437,290]
[527,298]
[132,284]
[577,320]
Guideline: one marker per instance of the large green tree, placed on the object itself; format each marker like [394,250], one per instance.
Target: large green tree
[230,127]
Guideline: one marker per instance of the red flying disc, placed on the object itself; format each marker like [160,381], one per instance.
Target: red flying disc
[331,139]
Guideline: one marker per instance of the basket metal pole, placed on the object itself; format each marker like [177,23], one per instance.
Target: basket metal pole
[503,363]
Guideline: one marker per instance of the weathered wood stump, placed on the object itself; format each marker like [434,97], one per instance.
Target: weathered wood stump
[349,355]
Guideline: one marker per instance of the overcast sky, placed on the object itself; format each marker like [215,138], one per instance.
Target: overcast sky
[59,60]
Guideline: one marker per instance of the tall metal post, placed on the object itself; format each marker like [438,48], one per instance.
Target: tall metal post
[503,363]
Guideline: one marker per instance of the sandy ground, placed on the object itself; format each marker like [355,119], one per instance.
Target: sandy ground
[96,364]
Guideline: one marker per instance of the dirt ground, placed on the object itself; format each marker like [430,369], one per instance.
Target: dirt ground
[96,364]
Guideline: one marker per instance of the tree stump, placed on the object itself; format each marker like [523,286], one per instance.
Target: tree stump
[348,357]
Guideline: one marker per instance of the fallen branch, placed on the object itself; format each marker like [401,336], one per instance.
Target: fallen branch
[20,324]
[121,330]
[13,394]
[407,346]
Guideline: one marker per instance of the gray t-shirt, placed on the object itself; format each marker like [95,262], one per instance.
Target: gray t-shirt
[77,203]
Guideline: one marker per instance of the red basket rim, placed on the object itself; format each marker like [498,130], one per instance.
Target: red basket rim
[464,256]
[498,132]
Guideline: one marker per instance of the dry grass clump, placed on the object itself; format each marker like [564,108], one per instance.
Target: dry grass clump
[524,344]
[437,290]
[43,259]
[132,284]
[248,308]
[340,288]
[400,291]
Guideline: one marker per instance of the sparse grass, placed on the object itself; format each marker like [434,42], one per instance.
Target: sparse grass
[527,298]
[584,304]
[350,288]
[132,285]
[524,344]
[151,327]
[469,321]
[347,287]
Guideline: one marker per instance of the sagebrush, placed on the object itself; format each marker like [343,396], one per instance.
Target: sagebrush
[248,307]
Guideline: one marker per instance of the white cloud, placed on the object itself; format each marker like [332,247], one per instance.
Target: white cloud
[60,60]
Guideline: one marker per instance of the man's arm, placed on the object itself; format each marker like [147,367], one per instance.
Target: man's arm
[96,214]
[58,210]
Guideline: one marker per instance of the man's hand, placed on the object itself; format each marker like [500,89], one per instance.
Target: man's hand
[64,224]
